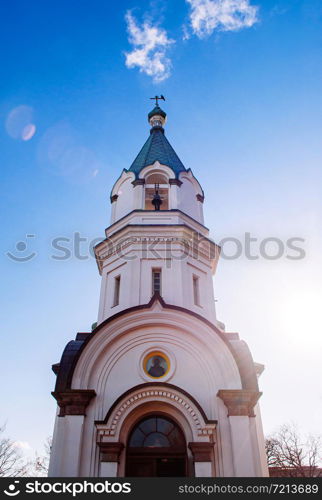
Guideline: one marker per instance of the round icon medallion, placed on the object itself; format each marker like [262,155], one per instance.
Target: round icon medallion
[156,364]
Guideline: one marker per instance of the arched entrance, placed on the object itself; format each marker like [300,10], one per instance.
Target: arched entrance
[156,447]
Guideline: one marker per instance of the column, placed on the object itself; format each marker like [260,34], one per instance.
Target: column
[201,199]
[203,458]
[57,448]
[138,198]
[113,200]
[109,458]
[69,431]
[174,193]
[72,446]
[240,404]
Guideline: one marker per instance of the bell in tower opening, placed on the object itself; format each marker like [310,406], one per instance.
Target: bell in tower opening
[158,388]
[156,201]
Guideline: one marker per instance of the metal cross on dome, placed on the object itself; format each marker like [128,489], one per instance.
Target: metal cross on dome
[162,98]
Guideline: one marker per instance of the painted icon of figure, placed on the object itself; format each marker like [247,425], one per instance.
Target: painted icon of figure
[156,370]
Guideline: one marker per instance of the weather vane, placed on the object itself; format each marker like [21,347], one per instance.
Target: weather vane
[157,98]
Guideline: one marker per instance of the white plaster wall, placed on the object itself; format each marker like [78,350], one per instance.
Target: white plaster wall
[106,307]
[108,469]
[111,366]
[125,201]
[66,449]
[190,373]
[258,442]
[187,197]
[243,457]
[203,363]
[56,465]
[162,248]
[180,197]
[203,469]
[224,443]
[154,217]
[176,285]
[206,307]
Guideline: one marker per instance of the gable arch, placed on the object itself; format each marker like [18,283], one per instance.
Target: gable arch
[152,398]
[157,168]
[81,356]
[201,359]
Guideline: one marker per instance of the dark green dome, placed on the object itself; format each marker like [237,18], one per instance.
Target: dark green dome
[157,148]
[157,111]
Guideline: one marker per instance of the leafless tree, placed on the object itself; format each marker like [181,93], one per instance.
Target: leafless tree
[42,462]
[12,463]
[292,455]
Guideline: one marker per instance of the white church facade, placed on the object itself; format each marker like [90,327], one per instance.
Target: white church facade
[158,388]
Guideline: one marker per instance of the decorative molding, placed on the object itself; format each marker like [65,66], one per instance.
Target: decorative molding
[147,394]
[157,166]
[114,198]
[73,401]
[110,427]
[259,368]
[110,452]
[239,402]
[55,368]
[143,210]
[202,451]
[190,239]
[200,197]
[138,182]
[175,182]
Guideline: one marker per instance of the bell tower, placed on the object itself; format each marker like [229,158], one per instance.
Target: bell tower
[157,227]
[158,388]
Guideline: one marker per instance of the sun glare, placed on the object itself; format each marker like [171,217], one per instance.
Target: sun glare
[300,314]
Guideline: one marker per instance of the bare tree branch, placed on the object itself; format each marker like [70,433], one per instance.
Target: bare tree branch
[42,462]
[292,456]
[12,464]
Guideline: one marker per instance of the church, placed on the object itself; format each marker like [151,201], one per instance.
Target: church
[158,387]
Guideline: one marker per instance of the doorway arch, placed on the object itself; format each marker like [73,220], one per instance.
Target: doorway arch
[156,447]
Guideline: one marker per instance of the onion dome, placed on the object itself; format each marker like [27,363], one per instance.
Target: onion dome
[157,147]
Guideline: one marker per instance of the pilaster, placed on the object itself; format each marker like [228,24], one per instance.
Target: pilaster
[73,401]
[109,458]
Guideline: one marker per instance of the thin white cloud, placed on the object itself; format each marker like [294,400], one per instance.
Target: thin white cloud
[22,445]
[222,15]
[150,45]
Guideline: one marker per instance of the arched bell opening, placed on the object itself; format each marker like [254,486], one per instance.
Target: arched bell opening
[156,447]
[156,188]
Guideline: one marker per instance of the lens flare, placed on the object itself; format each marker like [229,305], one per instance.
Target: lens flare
[60,151]
[28,132]
[19,123]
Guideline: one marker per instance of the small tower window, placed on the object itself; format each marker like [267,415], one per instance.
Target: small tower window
[117,284]
[156,281]
[196,293]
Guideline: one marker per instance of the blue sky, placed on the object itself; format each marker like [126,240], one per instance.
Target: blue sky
[244,106]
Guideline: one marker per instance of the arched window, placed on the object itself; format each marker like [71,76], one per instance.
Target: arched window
[157,432]
[156,447]
[156,181]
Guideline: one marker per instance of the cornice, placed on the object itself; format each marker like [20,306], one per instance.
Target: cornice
[239,402]
[73,401]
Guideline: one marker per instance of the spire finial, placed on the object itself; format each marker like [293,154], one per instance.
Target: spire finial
[157,117]
[162,98]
